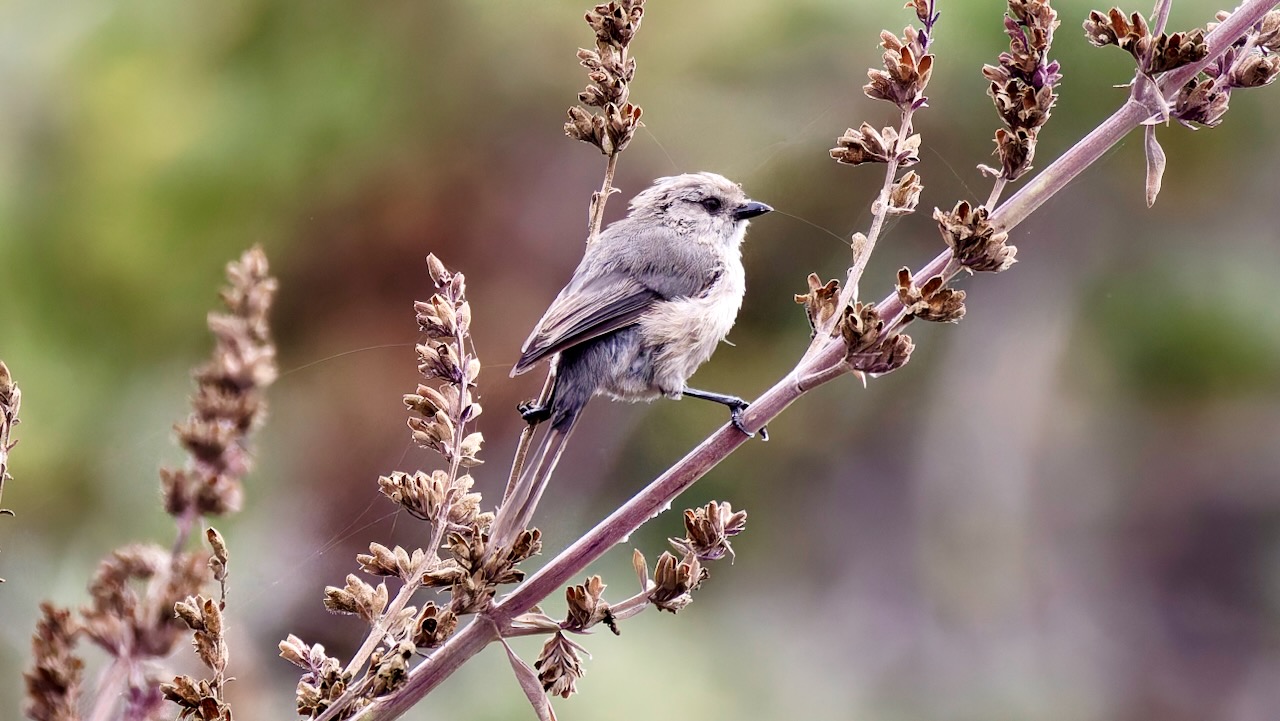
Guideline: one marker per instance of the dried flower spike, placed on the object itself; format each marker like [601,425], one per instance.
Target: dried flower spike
[1022,85]
[610,69]
[229,401]
[53,683]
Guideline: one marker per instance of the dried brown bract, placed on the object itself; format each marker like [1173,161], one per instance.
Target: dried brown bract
[1254,71]
[708,530]
[610,69]
[1023,85]
[976,243]
[196,699]
[1201,102]
[560,665]
[904,196]
[53,682]
[433,626]
[821,303]
[932,301]
[860,325]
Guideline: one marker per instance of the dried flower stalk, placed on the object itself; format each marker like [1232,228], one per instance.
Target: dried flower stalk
[135,590]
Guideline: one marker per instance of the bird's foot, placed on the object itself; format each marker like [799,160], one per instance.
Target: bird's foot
[735,415]
[533,413]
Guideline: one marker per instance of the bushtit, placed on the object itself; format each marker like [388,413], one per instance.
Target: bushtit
[648,304]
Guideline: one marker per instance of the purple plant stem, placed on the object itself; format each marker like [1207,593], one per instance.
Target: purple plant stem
[658,495]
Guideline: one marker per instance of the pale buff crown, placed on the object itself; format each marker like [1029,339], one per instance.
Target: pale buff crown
[669,193]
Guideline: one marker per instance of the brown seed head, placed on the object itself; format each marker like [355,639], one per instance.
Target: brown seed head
[973,240]
[560,666]
[932,301]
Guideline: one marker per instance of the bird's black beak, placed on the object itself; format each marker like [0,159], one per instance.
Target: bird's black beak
[750,209]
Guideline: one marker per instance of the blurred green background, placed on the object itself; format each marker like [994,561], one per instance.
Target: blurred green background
[1067,507]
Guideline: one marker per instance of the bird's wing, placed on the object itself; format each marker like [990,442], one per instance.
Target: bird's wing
[629,268]
[582,312]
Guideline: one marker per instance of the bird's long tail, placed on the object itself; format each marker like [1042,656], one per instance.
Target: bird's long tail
[517,510]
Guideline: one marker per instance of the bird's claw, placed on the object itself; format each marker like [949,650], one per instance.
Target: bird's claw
[533,413]
[735,415]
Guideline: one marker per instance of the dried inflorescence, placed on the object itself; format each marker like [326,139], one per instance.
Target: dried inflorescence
[323,680]
[611,70]
[432,496]
[53,682]
[587,606]
[906,71]
[1155,53]
[202,699]
[143,597]
[229,399]
[860,325]
[708,530]
[433,625]
[560,665]
[975,242]
[821,303]
[904,196]
[477,570]
[932,301]
[867,145]
[1250,62]
[441,410]
[438,414]
[132,596]
[887,356]
[1022,85]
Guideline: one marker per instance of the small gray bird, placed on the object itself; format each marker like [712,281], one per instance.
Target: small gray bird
[648,304]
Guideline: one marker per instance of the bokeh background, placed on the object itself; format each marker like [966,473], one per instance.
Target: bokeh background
[1066,507]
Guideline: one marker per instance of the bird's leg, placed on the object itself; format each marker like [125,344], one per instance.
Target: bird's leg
[735,404]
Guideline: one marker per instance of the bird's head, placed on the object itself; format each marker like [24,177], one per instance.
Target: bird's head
[708,203]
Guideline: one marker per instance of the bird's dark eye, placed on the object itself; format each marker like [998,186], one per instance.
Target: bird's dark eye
[711,204]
